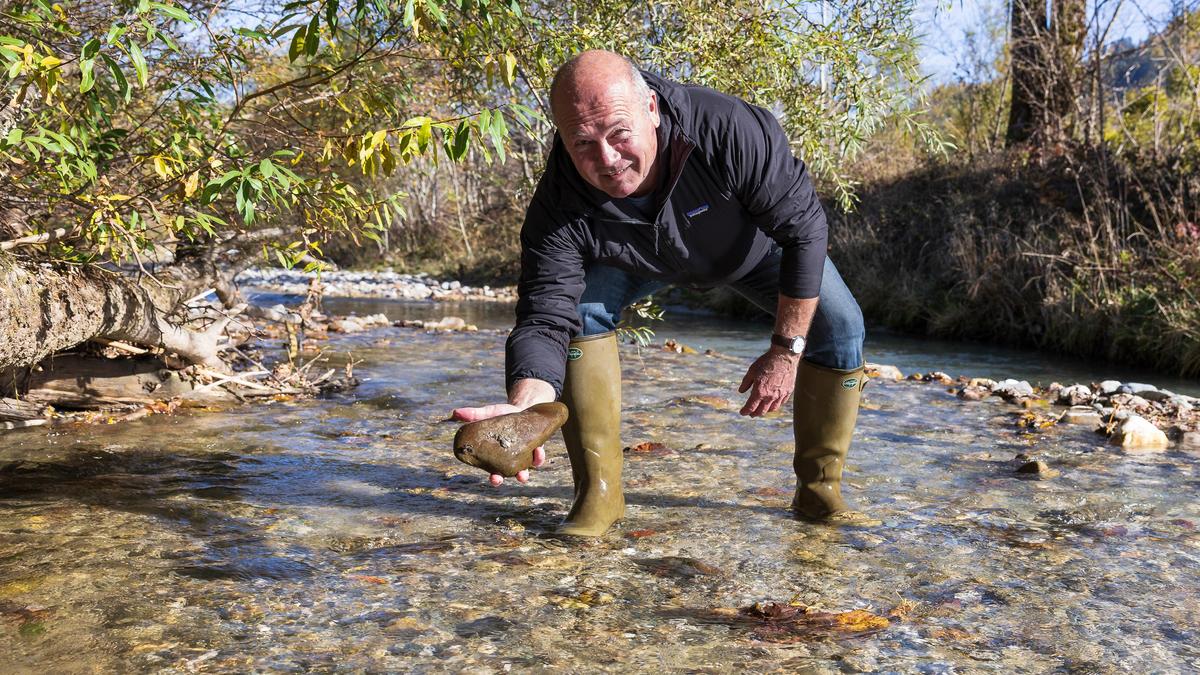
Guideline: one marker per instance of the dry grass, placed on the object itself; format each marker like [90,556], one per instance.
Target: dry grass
[1078,253]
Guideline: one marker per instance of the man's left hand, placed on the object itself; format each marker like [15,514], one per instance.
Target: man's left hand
[770,381]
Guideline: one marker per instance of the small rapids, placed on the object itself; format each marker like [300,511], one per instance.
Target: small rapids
[341,534]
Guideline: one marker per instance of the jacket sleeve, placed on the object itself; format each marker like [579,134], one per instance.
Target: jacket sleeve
[547,299]
[775,187]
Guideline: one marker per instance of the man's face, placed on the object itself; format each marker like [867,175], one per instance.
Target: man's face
[609,133]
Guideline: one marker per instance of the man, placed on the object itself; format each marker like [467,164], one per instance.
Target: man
[649,183]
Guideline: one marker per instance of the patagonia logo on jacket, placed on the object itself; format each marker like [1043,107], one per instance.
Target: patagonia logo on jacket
[697,211]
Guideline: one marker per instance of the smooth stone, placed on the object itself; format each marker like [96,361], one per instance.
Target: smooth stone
[1080,415]
[982,382]
[1155,394]
[883,372]
[969,393]
[1039,468]
[1011,389]
[1076,394]
[1137,434]
[504,444]
[1136,388]
[1109,387]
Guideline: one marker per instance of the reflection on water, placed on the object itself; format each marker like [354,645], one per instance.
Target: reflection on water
[341,534]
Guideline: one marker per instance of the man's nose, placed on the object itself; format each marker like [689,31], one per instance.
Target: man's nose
[609,154]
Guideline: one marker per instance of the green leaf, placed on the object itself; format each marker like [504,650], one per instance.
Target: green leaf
[297,47]
[139,63]
[312,38]
[87,76]
[90,49]
[409,14]
[436,12]
[173,12]
[462,136]
[122,83]
[266,168]
[14,136]
[424,134]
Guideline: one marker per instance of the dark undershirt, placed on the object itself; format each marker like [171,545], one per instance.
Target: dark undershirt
[643,205]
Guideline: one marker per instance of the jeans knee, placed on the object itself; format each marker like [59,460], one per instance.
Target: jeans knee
[596,318]
[848,323]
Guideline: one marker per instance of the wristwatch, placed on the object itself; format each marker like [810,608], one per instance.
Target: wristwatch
[794,344]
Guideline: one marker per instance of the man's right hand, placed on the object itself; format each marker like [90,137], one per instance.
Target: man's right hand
[525,393]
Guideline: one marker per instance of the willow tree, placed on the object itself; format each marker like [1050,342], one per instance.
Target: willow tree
[139,131]
[134,132]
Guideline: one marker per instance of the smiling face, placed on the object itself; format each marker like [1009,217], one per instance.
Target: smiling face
[609,130]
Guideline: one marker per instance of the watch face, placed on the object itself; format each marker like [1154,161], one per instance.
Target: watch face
[797,345]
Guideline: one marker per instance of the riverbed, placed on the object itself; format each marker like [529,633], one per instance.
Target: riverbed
[340,534]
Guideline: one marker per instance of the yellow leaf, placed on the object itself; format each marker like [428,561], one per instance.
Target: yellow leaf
[160,167]
[191,184]
[378,137]
[510,69]
[50,62]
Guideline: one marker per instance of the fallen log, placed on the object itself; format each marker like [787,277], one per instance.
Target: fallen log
[18,411]
[86,382]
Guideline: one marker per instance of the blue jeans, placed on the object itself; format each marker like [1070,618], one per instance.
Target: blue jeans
[835,339]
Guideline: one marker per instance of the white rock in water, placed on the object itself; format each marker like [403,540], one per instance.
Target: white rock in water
[983,383]
[1076,394]
[884,372]
[1137,388]
[1136,434]
[1013,389]
[1109,387]
[349,324]
[1080,415]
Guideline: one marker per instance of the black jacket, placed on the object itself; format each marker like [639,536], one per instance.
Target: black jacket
[732,186]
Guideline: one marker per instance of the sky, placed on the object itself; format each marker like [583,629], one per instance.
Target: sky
[947,22]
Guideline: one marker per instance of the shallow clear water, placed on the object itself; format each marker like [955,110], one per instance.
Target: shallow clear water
[341,534]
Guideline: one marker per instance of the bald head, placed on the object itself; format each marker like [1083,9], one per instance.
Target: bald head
[595,73]
[607,119]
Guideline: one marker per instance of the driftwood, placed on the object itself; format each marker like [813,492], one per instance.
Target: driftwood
[13,410]
[46,309]
[92,382]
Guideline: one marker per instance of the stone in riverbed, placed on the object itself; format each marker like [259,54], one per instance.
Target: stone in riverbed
[969,393]
[1037,468]
[1076,394]
[1080,415]
[505,444]
[883,372]
[1138,435]
[1011,390]
[1108,387]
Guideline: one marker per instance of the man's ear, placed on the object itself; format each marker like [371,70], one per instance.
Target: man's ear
[653,109]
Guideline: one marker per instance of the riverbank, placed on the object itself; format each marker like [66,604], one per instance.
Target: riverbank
[383,284]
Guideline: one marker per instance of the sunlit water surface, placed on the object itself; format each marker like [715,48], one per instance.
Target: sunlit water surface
[340,534]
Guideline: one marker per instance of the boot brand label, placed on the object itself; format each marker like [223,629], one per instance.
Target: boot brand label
[850,383]
[574,354]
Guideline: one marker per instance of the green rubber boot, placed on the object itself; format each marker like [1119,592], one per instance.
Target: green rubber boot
[825,409]
[592,434]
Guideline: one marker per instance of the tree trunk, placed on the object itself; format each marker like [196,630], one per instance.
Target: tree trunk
[46,308]
[96,382]
[1045,70]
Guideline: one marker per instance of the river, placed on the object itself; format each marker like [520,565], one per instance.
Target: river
[340,534]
